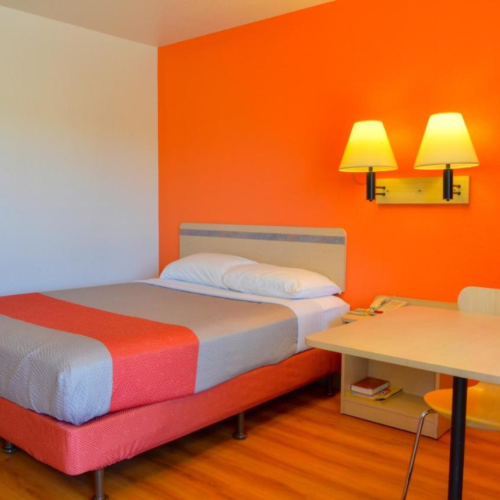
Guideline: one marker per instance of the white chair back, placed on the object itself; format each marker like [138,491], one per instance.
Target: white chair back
[478,300]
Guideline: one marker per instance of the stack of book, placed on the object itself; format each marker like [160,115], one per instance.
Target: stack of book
[374,389]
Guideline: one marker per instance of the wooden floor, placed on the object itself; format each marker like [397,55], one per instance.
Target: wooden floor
[299,447]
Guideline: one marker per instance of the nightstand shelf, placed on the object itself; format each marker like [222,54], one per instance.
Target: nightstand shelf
[401,410]
[402,404]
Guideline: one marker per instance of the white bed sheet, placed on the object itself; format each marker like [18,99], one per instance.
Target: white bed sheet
[313,315]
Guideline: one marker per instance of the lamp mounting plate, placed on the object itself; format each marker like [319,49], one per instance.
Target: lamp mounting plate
[423,190]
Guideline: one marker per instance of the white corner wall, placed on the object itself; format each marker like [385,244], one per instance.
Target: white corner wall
[78,156]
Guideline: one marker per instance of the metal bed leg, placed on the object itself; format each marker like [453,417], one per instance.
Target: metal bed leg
[240,433]
[8,448]
[415,448]
[99,485]
[329,385]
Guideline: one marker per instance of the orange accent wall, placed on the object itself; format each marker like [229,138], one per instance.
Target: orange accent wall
[254,120]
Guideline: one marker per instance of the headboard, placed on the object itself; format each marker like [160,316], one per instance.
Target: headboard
[322,250]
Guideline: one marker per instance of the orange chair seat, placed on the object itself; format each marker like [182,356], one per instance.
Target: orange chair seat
[483,405]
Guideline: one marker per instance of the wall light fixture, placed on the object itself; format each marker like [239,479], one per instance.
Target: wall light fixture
[446,146]
[368,150]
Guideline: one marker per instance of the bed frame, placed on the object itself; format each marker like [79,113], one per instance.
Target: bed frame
[122,435]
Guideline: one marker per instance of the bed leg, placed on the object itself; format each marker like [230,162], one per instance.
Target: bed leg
[8,448]
[240,433]
[99,485]
[329,385]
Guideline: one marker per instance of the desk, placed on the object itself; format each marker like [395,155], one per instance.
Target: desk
[455,343]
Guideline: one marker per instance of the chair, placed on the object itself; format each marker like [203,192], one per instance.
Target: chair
[483,399]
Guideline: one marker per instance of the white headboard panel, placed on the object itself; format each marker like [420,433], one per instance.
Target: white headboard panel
[322,250]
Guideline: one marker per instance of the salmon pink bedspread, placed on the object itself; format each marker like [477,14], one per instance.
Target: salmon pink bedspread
[75,449]
[78,354]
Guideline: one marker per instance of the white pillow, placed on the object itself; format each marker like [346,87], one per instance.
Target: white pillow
[275,281]
[203,268]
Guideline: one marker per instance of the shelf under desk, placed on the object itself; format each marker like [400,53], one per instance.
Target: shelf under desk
[402,410]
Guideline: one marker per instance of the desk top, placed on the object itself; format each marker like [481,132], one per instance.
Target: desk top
[443,341]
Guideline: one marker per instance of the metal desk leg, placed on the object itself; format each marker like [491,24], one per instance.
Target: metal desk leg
[457,450]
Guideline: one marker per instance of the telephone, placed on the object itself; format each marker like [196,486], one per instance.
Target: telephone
[386,304]
[381,304]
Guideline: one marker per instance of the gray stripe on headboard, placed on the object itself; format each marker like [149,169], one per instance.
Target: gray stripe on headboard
[242,235]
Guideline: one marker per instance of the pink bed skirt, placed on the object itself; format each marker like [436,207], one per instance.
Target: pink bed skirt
[124,434]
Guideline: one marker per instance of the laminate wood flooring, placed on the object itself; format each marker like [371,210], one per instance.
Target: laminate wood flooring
[298,447]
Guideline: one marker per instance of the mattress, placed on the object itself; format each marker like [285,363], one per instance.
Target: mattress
[78,354]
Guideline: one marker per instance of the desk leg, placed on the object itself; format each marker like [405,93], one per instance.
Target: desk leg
[457,450]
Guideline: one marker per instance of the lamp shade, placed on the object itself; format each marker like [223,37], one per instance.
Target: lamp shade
[368,149]
[446,142]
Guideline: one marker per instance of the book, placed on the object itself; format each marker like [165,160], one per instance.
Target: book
[380,396]
[369,386]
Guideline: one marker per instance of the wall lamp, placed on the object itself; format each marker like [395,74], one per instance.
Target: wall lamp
[446,146]
[368,150]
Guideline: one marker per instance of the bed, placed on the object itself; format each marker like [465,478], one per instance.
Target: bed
[90,438]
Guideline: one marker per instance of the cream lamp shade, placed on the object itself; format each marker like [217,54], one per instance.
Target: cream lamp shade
[446,146]
[368,149]
[446,142]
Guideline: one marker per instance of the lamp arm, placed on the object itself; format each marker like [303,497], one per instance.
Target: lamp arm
[448,183]
[370,184]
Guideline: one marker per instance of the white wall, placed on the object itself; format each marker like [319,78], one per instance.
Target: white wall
[78,156]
